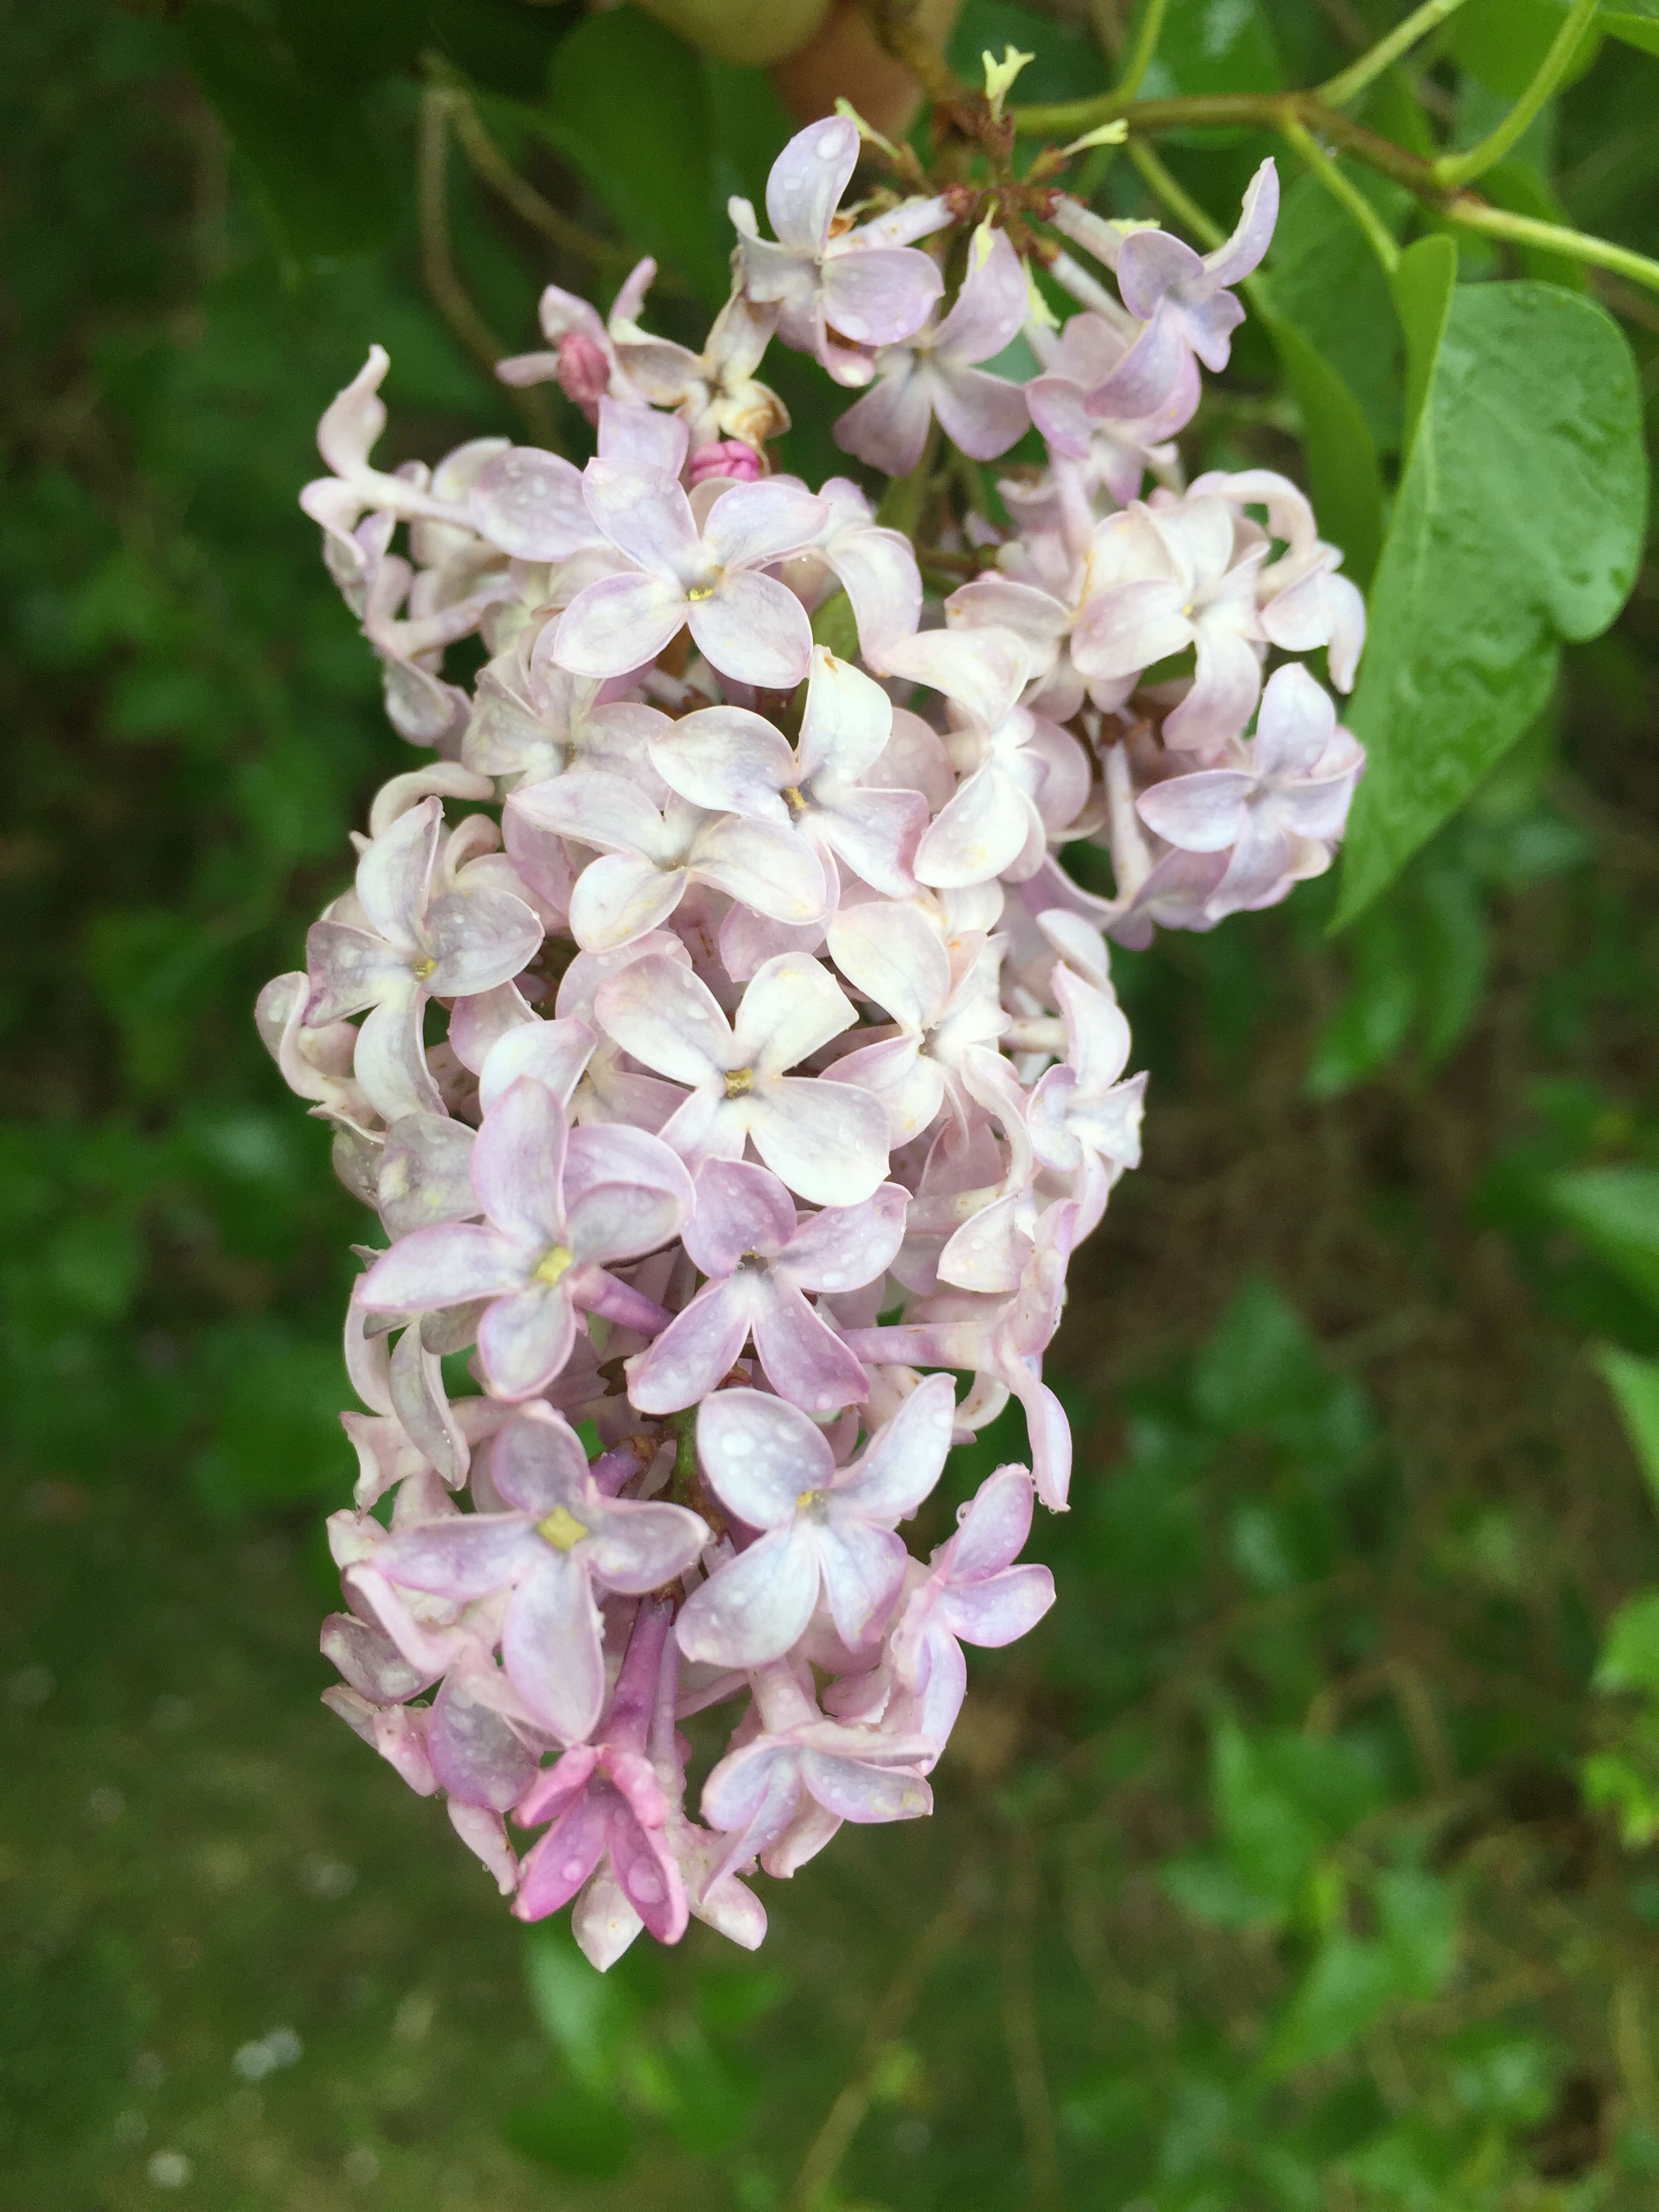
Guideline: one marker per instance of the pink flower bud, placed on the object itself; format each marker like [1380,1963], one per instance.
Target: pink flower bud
[729,457]
[584,373]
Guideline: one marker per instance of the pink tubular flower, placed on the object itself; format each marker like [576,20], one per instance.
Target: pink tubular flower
[827,1140]
[835,292]
[935,375]
[408,946]
[711,579]
[761,1260]
[1279,809]
[606,1802]
[558,1207]
[559,1539]
[727,757]
[827,1529]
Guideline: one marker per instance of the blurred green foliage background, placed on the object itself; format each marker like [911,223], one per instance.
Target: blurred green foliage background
[1306,1857]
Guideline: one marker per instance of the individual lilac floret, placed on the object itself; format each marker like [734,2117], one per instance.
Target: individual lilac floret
[761,1259]
[710,578]
[936,372]
[1084,1120]
[835,290]
[607,1803]
[409,947]
[559,1541]
[1158,273]
[649,859]
[895,956]
[558,1206]
[974,1594]
[827,1529]
[827,1140]
[786,1790]
[1279,809]
[729,758]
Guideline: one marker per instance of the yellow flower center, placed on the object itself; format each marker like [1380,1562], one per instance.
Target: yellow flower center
[423,968]
[695,592]
[792,798]
[807,1499]
[739,1081]
[561,1529]
[555,1265]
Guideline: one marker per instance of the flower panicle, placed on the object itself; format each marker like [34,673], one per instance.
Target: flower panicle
[781,1070]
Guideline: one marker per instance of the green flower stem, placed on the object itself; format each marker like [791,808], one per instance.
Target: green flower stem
[1552,238]
[1344,190]
[1145,47]
[1462,168]
[1365,71]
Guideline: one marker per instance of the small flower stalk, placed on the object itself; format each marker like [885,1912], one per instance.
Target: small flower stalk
[715,1030]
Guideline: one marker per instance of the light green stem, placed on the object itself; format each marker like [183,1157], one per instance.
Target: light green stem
[1354,80]
[1141,54]
[1344,190]
[1553,238]
[1460,168]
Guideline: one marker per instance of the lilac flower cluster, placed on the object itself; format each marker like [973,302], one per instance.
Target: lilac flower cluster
[779,1069]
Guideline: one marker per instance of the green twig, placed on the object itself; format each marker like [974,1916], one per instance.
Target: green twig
[1552,238]
[1463,168]
[1350,82]
[1343,189]
[1145,47]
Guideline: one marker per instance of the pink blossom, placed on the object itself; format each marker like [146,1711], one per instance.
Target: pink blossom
[827,1140]
[761,1260]
[402,946]
[935,372]
[559,1539]
[835,293]
[826,1529]
[558,1206]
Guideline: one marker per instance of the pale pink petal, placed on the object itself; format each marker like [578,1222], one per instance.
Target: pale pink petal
[529,504]
[990,309]
[619,623]
[636,1547]
[984,670]
[477,939]
[470,1555]
[348,969]
[877,571]
[793,1006]
[475,1754]
[755,1607]
[393,874]
[767,867]
[554,1053]
[390,1059]
[667,1019]
[618,898]
[803,1359]
[893,955]
[755,524]
[751,628]
[524,1340]
[518,1164]
[698,1349]
[880,295]
[550,1646]
[1202,813]
[848,719]
[1296,723]
[1126,628]
[982,414]
[1001,1610]
[1226,684]
[806,182]
[727,759]
[739,1208]
[599,808]
[556,1868]
[903,1464]
[649,1878]
[851,1790]
[846,1246]
[647,517]
[863,1569]
[760,1455]
[446,1266]
[888,427]
[983,830]
[538,1463]
[1149,263]
[827,1140]
[992,1529]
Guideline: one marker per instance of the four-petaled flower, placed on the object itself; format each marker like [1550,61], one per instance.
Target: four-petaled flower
[559,1205]
[759,1259]
[559,1539]
[827,1529]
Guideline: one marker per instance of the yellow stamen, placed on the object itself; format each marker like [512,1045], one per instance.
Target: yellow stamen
[422,968]
[807,1499]
[792,798]
[739,1081]
[695,592]
[555,1265]
[561,1529]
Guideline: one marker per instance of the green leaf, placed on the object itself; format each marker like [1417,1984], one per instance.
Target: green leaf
[1272,1842]
[309,147]
[1635,1383]
[1343,475]
[1502,42]
[1635,21]
[1630,1656]
[1518,522]
[1616,1211]
[1422,287]
[631,105]
[1213,45]
[1347,1986]
[1259,1365]
[833,626]
[588,2018]
[1328,282]
[1418,1914]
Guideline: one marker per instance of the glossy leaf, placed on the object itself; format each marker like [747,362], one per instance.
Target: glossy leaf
[1343,475]
[1616,1211]
[1635,1383]
[1518,522]
[1327,281]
